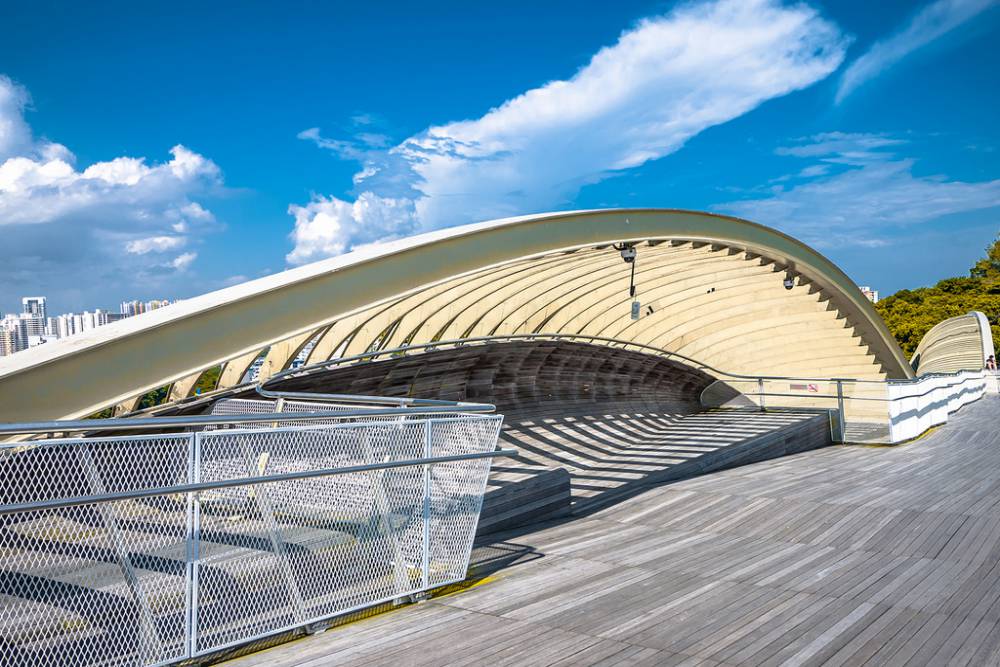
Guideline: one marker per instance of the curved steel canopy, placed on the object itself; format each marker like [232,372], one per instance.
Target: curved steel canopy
[710,288]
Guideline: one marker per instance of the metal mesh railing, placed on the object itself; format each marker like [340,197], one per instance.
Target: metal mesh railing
[146,550]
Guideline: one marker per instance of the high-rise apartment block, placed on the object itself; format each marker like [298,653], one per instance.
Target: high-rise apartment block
[34,306]
[130,308]
[32,326]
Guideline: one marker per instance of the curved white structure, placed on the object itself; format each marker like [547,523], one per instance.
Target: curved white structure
[729,293]
[962,343]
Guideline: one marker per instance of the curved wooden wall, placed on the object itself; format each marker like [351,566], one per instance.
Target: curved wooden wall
[957,344]
[522,378]
[723,307]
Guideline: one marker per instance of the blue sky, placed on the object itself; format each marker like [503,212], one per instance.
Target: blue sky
[168,151]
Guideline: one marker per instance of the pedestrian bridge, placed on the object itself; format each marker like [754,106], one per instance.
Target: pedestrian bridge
[280,455]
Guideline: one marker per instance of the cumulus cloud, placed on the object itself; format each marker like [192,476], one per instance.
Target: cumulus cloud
[66,225]
[870,192]
[154,244]
[38,190]
[326,225]
[664,81]
[933,21]
[15,135]
[182,262]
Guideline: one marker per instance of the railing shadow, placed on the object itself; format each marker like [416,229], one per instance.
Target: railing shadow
[612,457]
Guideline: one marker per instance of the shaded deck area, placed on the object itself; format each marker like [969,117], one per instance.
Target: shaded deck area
[838,556]
[576,463]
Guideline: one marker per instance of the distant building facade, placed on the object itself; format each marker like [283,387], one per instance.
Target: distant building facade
[870,294]
[33,306]
[33,326]
[130,308]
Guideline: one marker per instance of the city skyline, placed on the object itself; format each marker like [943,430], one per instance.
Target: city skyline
[866,131]
[33,325]
[15,309]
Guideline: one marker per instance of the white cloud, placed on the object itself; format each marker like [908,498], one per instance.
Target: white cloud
[933,21]
[154,244]
[846,145]
[182,262]
[325,226]
[66,226]
[873,193]
[15,135]
[37,190]
[814,170]
[347,150]
[661,83]
[358,149]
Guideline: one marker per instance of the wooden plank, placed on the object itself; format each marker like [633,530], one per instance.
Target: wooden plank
[838,556]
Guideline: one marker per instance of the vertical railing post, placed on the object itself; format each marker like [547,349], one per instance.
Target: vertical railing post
[426,558]
[279,406]
[841,420]
[760,393]
[193,543]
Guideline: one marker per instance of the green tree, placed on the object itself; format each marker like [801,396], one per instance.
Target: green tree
[208,380]
[910,314]
[988,268]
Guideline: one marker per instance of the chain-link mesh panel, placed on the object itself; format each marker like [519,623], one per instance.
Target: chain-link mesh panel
[93,584]
[302,550]
[153,580]
[456,494]
[243,406]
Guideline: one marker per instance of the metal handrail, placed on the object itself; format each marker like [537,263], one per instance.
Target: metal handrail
[870,398]
[419,405]
[460,342]
[147,423]
[404,401]
[60,503]
[261,387]
[407,540]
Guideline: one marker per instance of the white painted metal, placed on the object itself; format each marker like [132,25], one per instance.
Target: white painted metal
[917,406]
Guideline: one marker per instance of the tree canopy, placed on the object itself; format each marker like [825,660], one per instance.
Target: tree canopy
[910,314]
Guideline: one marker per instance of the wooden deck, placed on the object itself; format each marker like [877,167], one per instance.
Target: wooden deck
[575,463]
[839,556]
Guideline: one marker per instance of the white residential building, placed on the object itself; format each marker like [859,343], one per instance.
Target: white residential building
[33,305]
[870,294]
